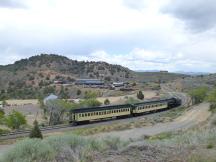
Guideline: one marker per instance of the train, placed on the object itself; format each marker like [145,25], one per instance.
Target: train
[86,115]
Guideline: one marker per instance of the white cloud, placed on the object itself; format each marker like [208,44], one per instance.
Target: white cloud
[131,33]
[141,59]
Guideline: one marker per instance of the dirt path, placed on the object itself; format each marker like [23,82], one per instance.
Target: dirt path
[194,116]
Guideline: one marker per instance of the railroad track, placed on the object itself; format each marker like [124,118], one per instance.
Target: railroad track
[186,100]
[64,127]
[24,133]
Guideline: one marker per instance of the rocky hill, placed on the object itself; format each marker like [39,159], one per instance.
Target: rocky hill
[32,77]
[47,68]
[29,75]
[189,83]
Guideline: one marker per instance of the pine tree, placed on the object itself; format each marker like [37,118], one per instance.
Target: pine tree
[36,132]
[140,95]
[107,102]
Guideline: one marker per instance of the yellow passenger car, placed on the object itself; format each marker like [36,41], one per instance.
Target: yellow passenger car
[150,106]
[102,112]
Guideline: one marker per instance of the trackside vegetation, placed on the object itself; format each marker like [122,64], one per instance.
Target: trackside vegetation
[67,148]
[203,94]
[14,120]
[198,95]
[36,132]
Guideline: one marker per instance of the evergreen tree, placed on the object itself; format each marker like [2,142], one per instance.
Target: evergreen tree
[36,132]
[79,92]
[140,95]
[107,102]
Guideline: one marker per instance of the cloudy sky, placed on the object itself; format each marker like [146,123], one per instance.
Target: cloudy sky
[174,35]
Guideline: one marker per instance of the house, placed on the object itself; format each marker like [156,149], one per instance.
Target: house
[89,82]
[50,97]
[118,84]
[59,82]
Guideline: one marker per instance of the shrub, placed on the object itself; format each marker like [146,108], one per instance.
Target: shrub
[30,150]
[79,92]
[60,148]
[36,133]
[140,95]
[131,100]
[90,94]
[15,119]
[90,103]
[107,102]
[198,95]
[114,143]
[210,146]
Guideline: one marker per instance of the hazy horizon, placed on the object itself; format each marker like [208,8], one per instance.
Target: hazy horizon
[141,35]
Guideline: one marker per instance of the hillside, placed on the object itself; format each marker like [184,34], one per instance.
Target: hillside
[158,76]
[32,77]
[189,83]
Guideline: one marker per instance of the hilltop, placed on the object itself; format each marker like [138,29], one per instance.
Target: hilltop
[32,77]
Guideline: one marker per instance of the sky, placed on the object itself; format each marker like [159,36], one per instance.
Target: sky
[173,35]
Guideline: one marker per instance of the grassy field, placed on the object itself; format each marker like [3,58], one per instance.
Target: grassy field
[22,102]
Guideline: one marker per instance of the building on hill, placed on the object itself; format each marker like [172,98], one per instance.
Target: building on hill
[59,82]
[164,71]
[118,84]
[50,97]
[89,82]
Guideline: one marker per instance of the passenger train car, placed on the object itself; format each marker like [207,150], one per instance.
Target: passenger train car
[83,115]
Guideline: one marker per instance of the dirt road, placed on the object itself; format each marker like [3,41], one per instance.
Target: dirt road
[194,116]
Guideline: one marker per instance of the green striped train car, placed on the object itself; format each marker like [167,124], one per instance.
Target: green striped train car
[83,115]
[95,113]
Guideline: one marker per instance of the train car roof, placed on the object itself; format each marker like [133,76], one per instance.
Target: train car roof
[111,107]
[153,101]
